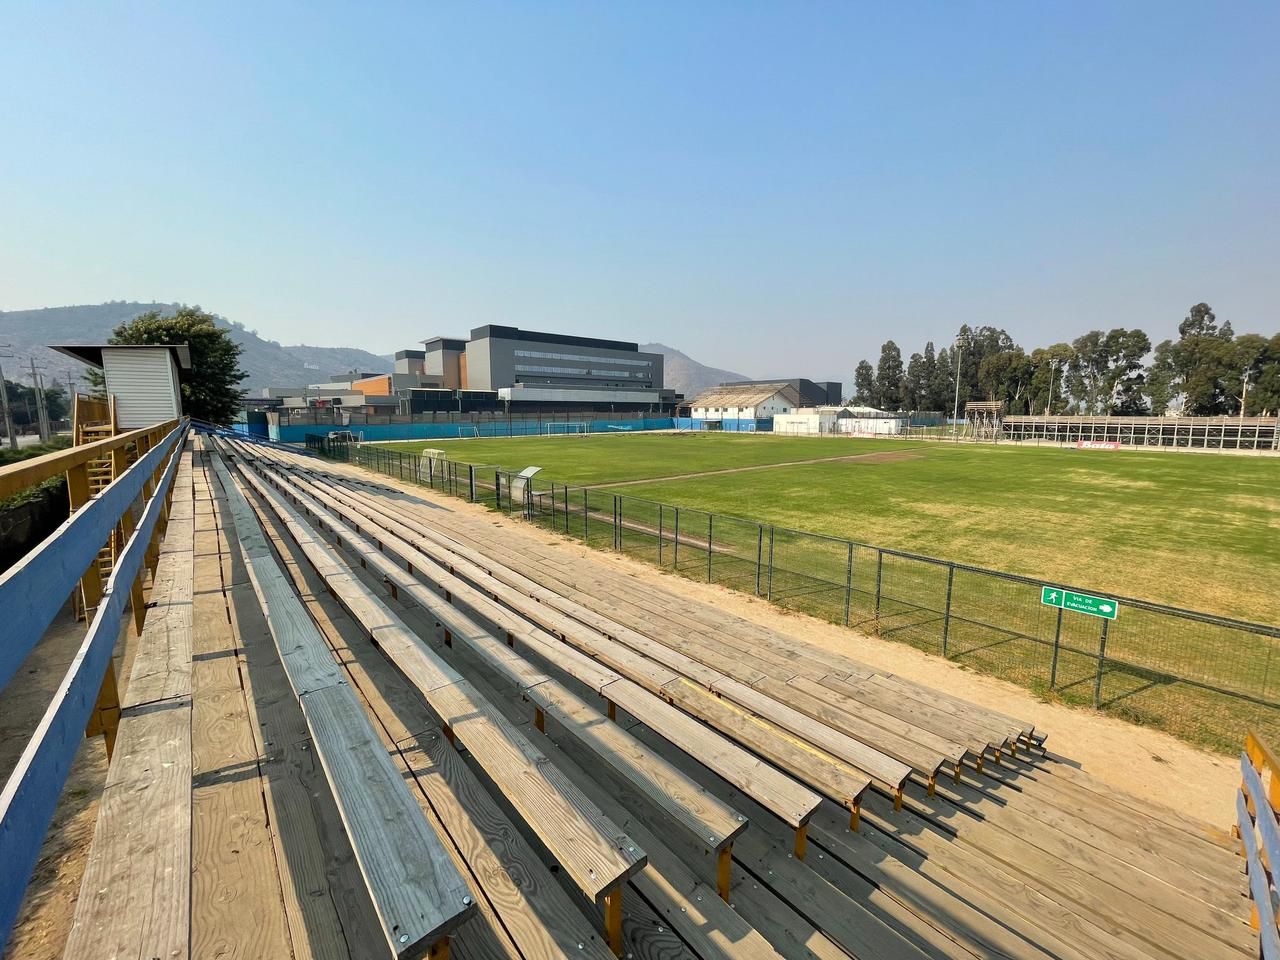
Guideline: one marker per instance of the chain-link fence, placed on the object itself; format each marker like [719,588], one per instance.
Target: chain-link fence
[1202,677]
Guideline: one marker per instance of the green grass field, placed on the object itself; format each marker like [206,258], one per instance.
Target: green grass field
[1192,530]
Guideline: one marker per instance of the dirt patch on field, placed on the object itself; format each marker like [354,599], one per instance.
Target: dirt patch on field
[1094,479]
[1268,504]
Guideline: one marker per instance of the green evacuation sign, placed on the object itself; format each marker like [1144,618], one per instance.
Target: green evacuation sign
[1080,602]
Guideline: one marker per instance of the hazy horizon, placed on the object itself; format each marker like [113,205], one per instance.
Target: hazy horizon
[772,189]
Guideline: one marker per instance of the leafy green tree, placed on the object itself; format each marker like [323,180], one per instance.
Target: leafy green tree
[864,384]
[23,405]
[942,383]
[211,388]
[1006,375]
[1264,389]
[1200,367]
[1046,392]
[916,384]
[1105,373]
[889,377]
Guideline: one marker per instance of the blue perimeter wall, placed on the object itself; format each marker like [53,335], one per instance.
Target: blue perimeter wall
[297,433]
[761,425]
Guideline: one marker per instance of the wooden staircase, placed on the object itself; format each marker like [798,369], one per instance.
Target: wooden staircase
[95,419]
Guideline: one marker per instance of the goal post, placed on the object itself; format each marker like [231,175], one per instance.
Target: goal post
[566,428]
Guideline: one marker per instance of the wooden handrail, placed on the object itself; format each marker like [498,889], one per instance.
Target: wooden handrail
[27,473]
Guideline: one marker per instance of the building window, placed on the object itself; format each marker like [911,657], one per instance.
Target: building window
[544,355]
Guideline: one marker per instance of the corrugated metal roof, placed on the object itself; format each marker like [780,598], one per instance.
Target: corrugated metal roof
[744,395]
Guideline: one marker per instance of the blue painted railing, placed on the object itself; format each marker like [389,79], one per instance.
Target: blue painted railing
[31,793]
[1262,860]
[34,590]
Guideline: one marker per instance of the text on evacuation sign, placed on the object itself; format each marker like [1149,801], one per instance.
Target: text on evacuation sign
[1080,602]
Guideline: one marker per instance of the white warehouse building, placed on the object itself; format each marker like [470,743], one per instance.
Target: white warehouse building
[859,421]
[745,401]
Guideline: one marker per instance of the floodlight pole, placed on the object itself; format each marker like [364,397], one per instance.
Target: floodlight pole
[955,410]
[1053,375]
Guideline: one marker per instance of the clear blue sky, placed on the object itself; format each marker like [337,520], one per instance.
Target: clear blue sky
[772,188]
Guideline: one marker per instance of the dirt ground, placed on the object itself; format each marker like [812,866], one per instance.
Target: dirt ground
[1139,760]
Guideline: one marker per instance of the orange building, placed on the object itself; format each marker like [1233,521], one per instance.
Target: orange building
[379,386]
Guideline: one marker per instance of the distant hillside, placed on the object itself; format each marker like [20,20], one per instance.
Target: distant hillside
[685,375]
[267,362]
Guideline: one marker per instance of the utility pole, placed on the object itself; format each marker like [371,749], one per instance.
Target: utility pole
[1053,376]
[42,418]
[1244,394]
[4,401]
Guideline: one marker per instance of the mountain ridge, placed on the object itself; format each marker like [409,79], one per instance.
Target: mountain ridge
[683,374]
[267,362]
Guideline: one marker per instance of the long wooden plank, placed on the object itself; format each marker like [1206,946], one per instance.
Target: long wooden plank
[415,886]
[135,898]
[711,821]
[888,772]
[782,796]
[828,774]
[237,892]
[31,793]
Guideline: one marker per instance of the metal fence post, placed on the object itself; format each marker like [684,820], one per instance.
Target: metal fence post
[771,532]
[675,544]
[617,522]
[946,616]
[1102,657]
[848,585]
[1057,643]
[710,519]
[497,489]
[586,527]
[879,579]
[759,554]
[659,534]
[471,482]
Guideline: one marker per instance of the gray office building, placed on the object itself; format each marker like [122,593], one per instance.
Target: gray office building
[500,358]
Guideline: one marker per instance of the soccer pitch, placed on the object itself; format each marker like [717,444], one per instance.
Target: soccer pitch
[1192,530]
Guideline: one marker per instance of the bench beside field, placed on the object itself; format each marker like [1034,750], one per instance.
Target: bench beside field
[593,851]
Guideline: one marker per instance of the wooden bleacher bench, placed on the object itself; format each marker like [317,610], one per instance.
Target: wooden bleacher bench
[416,890]
[783,796]
[594,852]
